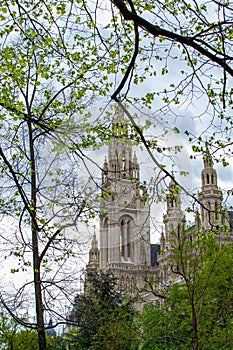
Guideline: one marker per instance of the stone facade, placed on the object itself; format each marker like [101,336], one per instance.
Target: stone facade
[124,243]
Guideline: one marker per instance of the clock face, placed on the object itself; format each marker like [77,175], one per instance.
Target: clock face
[125,191]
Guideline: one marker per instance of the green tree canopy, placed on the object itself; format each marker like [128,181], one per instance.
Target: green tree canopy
[103,318]
[196,312]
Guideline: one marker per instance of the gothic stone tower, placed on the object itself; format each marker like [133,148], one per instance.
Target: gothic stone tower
[174,221]
[124,213]
[212,217]
[210,198]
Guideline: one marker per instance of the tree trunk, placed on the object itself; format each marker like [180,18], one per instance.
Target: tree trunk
[36,257]
[195,327]
[38,297]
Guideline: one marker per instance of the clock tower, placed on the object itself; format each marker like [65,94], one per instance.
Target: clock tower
[124,239]
[124,209]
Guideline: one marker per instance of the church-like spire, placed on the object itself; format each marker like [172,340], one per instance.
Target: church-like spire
[135,168]
[105,172]
[173,197]
[207,159]
[208,174]
[94,243]
[121,164]
[118,118]
[135,158]
[210,197]
[94,253]
[174,217]
[162,241]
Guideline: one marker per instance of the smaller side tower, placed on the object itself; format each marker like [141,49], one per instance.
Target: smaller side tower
[174,216]
[174,220]
[210,198]
[94,260]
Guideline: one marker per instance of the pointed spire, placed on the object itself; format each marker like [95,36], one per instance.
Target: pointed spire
[172,186]
[173,198]
[162,241]
[105,167]
[209,174]
[172,172]
[118,117]
[94,253]
[105,172]
[120,150]
[94,242]
[174,194]
[207,159]
[105,163]
[135,158]
[210,197]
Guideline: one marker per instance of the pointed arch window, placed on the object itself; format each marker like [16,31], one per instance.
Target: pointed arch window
[212,179]
[172,202]
[216,211]
[105,243]
[125,237]
[208,213]
[122,243]
[128,238]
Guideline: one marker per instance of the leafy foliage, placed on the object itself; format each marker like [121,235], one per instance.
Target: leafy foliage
[12,336]
[56,57]
[197,311]
[104,320]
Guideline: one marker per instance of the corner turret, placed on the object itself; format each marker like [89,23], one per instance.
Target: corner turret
[210,197]
[94,254]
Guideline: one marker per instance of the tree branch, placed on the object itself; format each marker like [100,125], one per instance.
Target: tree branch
[156,30]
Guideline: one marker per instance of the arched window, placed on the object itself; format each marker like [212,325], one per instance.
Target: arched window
[105,242]
[122,239]
[208,213]
[172,202]
[128,238]
[212,179]
[125,237]
[216,210]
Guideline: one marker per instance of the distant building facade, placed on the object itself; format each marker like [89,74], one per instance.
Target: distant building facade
[124,245]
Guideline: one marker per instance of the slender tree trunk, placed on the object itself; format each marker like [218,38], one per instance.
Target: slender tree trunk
[195,328]
[38,294]
[36,256]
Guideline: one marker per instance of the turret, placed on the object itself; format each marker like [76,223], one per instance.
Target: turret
[210,197]
[174,221]
[94,254]
[120,163]
[174,216]
[105,172]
